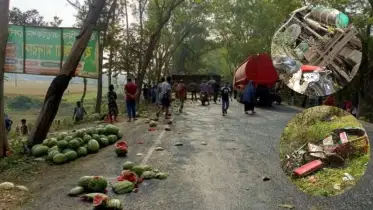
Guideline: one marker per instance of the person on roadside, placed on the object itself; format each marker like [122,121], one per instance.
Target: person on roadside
[193,87]
[158,92]
[145,92]
[204,88]
[24,128]
[130,89]
[248,98]
[181,94]
[225,95]
[8,123]
[216,89]
[165,96]
[112,104]
[79,112]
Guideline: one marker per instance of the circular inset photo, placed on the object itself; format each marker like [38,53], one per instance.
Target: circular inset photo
[324,151]
[316,51]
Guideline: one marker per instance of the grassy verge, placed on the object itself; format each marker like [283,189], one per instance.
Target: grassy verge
[309,126]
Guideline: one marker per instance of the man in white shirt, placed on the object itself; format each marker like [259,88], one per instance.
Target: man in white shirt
[165,96]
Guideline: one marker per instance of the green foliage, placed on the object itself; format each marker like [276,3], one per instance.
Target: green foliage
[23,102]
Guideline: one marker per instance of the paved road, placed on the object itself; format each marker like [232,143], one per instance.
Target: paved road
[224,174]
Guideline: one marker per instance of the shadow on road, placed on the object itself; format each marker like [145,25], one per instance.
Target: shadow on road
[281,109]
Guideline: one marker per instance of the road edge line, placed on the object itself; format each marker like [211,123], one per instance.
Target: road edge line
[152,148]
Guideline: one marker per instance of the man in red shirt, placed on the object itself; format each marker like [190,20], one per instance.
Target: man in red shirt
[181,94]
[131,92]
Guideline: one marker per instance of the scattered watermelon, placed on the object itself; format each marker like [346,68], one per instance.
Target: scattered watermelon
[123,187]
[138,170]
[148,175]
[93,146]
[128,165]
[112,139]
[120,135]
[161,175]
[59,158]
[91,196]
[128,176]
[84,180]
[97,184]
[114,204]
[71,155]
[111,130]
[74,144]
[63,144]
[82,151]
[39,150]
[76,191]
[100,201]
[121,148]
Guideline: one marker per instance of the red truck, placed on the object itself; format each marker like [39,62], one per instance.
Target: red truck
[258,68]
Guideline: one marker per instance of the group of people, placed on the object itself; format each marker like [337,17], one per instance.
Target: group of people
[22,130]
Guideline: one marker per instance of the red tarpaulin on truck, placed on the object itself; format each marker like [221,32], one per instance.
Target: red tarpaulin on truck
[258,68]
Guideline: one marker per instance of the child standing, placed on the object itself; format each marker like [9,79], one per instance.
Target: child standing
[8,123]
[79,112]
[225,93]
[112,105]
[24,128]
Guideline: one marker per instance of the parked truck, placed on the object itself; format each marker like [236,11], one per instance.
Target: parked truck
[258,68]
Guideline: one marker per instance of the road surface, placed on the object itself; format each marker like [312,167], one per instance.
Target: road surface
[224,174]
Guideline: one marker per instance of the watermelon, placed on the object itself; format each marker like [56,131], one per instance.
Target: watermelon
[86,138]
[76,191]
[62,135]
[112,139]
[93,146]
[123,187]
[82,151]
[71,155]
[91,196]
[80,140]
[161,175]
[100,202]
[121,148]
[97,184]
[45,142]
[138,170]
[100,130]
[103,136]
[68,138]
[63,144]
[79,133]
[96,137]
[84,180]
[148,175]
[67,150]
[74,144]
[104,142]
[114,204]
[39,150]
[53,148]
[52,153]
[111,129]
[52,142]
[128,165]
[59,158]
[120,135]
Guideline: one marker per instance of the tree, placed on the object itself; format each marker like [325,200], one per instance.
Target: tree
[4,19]
[60,83]
[31,18]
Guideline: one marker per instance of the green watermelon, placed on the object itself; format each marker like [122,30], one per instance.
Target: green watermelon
[62,135]
[93,146]
[63,144]
[79,133]
[74,144]
[96,137]
[81,141]
[68,138]
[112,139]
[45,142]
[104,142]
[100,130]
[39,150]
[59,158]
[67,150]
[84,180]
[120,135]
[103,136]
[97,184]
[86,138]
[128,165]
[52,153]
[52,142]
[71,155]
[82,151]
[111,130]
[123,187]
[53,148]
[138,170]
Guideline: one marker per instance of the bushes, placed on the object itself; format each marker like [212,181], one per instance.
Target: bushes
[23,102]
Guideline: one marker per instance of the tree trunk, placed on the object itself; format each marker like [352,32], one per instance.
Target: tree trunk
[99,81]
[127,39]
[109,73]
[61,82]
[84,90]
[4,19]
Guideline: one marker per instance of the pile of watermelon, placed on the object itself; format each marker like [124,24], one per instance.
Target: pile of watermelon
[95,187]
[68,146]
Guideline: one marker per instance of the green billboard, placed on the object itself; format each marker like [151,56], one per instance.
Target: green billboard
[43,50]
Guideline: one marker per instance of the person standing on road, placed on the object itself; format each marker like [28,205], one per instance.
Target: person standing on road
[248,98]
[216,87]
[181,94]
[204,88]
[165,96]
[225,93]
[193,87]
[130,89]
[79,112]
[112,104]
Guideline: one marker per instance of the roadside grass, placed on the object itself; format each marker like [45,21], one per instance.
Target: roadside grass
[309,126]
